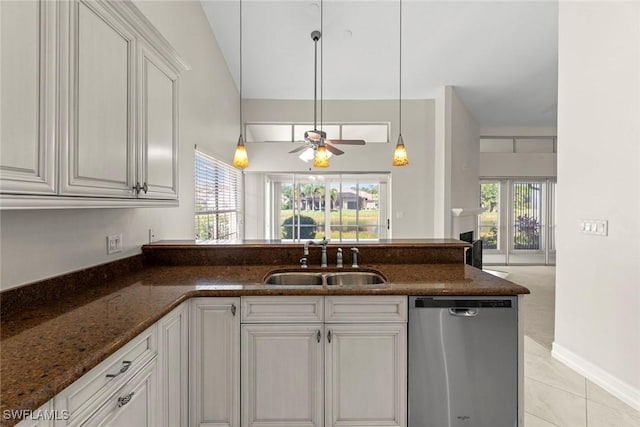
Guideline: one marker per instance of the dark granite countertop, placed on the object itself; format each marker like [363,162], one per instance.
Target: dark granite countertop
[50,344]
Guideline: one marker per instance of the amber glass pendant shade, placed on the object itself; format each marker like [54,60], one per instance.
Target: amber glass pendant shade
[400,154]
[240,158]
[321,160]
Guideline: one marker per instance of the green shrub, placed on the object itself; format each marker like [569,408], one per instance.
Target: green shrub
[307,228]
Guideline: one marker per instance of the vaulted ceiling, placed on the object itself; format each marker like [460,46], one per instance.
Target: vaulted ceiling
[502,56]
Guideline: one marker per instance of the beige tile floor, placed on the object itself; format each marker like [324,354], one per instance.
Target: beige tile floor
[554,394]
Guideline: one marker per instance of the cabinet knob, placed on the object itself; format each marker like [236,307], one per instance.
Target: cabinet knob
[124,400]
[329,336]
[318,336]
[144,187]
[233,309]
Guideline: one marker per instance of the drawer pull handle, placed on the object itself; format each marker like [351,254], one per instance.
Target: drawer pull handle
[233,309]
[123,369]
[124,400]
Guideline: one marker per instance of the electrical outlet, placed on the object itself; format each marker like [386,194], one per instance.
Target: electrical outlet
[151,235]
[114,244]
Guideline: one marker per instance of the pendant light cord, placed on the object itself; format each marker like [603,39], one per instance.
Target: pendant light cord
[315,84]
[321,60]
[400,77]
[240,9]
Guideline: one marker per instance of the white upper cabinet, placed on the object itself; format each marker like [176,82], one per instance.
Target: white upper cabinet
[89,106]
[28,96]
[98,156]
[158,127]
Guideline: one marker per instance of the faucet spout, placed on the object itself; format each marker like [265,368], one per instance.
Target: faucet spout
[322,243]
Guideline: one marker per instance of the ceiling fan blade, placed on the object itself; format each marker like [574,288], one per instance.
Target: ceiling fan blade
[299,149]
[334,150]
[348,141]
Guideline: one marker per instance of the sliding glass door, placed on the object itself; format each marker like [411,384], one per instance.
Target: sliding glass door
[518,225]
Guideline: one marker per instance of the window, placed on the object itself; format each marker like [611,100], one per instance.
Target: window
[294,132]
[218,195]
[517,144]
[341,207]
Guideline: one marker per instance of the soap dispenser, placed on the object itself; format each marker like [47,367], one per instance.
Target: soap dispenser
[339,258]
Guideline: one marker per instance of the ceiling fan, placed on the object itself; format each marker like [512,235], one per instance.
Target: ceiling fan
[313,138]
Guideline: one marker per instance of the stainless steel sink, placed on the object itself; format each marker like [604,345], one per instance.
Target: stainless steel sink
[355,278]
[294,279]
[316,278]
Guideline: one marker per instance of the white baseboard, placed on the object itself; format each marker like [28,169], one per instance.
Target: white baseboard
[620,389]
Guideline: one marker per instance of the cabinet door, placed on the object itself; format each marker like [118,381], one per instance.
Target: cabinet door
[134,405]
[97,95]
[158,134]
[366,375]
[215,362]
[282,370]
[28,100]
[173,368]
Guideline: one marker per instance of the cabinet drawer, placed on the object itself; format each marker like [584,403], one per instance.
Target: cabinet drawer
[81,397]
[133,404]
[306,309]
[352,309]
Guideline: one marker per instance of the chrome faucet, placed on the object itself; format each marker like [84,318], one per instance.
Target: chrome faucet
[322,243]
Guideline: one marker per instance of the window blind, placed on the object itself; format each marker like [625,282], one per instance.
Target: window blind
[217,204]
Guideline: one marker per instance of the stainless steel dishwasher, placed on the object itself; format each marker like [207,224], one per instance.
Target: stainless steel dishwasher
[463,362]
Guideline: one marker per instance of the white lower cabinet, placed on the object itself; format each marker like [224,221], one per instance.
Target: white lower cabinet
[123,385]
[306,361]
[173,368]
[133,405]
[282,375]
[366,375]
[349,371]
[214,367]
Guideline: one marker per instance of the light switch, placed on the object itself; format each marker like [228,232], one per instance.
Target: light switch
[598,227]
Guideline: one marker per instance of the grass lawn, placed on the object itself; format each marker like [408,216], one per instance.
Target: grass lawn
[489,218]
[366,218]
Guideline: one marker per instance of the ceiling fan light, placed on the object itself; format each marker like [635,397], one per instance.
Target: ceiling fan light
[400,157]
[240,158]
[307,155]
[321,159]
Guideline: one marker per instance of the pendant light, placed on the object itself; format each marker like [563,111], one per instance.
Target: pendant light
[400,154]
[321,159]
[240,158]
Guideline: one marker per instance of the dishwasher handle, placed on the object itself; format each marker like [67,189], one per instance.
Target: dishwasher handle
[430,302]
[463,312]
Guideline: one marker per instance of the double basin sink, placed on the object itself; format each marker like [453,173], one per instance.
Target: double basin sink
[314,278]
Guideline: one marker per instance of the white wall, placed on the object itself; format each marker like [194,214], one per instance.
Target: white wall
[412,185]
[598,278]
[45,243]
[465,151]
[456,166]
[496,165]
